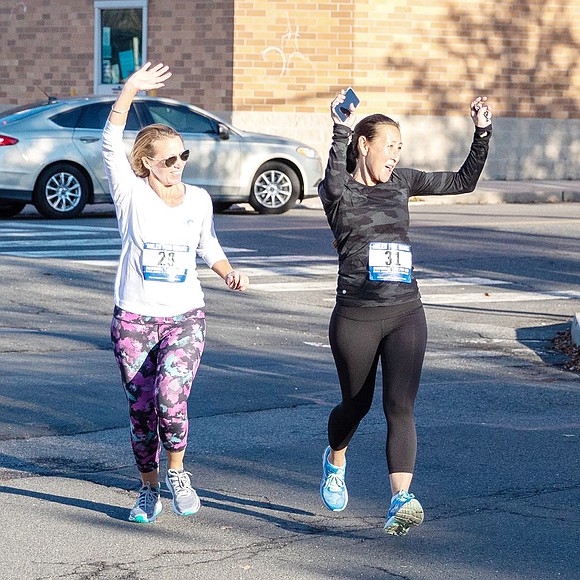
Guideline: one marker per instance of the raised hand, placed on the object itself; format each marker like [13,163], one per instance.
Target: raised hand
[143,79]
[350,120]
[480,112]
[147,78]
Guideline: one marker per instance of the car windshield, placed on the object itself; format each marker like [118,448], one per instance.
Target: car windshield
[23,111]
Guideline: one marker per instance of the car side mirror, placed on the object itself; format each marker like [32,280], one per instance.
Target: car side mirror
[223,132]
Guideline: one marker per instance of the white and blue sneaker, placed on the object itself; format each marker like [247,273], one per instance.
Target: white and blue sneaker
[405,511]
[148,505]
[185,499]
[332,487]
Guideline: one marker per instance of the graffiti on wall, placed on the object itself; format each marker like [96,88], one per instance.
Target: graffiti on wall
[288,52]
[18,8]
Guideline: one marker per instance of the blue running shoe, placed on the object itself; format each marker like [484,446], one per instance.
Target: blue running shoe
[405,511]
[332,487]
[148,505]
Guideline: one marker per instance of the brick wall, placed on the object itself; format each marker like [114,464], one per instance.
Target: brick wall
[410,57]
[421,62]
[289,58]
[195,39]
[45,46]
[49,45]
[274,66]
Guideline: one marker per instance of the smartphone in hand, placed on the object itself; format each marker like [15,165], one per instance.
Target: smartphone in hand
[343,110]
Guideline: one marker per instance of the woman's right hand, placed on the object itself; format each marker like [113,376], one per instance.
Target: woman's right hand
[148,79]
[350,120]
[143,79]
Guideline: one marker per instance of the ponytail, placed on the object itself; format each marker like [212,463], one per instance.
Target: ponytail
[351,156]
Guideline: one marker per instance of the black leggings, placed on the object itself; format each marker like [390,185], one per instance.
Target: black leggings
[358,338]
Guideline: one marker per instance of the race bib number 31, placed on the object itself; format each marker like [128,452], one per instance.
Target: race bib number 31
[165,262]
[390,262]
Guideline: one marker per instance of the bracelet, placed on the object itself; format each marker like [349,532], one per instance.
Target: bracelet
[119,112]
[228,274]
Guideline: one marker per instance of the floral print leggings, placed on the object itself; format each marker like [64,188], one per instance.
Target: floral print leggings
[158,359]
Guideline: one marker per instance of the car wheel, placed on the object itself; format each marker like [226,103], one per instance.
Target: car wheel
[10,208]
[275,188]
[62,191]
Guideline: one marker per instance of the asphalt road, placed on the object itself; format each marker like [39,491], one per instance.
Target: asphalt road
[497,415]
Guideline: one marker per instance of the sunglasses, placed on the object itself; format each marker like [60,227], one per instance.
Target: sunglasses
[170,161]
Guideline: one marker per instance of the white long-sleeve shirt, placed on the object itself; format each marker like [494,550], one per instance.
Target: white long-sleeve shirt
[157,273]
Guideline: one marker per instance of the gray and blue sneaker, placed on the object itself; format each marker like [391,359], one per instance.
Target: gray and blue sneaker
[185,499]
[332,487]
[405,511]
[148,505]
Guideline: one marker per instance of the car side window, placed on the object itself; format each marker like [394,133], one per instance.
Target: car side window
[68,119]
[94,116]
[182,119]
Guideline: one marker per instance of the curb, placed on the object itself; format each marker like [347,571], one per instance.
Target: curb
[497,192]
[576,329]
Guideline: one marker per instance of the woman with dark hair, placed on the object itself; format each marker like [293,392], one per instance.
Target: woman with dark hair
[378,313]
[158,326]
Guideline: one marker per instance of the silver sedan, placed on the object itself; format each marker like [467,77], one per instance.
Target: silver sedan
[50,156]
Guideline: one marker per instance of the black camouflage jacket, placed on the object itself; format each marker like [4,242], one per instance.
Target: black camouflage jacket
[359,214]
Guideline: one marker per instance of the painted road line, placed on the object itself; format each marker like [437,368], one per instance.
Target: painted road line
[64,254]
[459,281]
[295,286]
[488,298]
[79,253]
[63,228]
[55,243]
[17,236]
[331,282]
[505,296]
[256,261]
[305,272]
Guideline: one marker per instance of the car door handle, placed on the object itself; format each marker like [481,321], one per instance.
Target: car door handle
[88,139]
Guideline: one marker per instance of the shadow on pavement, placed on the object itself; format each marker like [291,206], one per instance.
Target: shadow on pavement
[112,511]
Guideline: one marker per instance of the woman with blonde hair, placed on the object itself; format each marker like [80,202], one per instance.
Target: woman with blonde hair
[158,325]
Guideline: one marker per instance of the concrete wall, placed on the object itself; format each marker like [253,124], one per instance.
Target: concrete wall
[521,149]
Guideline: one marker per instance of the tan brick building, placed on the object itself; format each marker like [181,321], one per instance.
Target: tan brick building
[274,65]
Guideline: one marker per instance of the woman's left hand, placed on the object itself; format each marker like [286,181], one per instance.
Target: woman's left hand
[237,281]
[480,112]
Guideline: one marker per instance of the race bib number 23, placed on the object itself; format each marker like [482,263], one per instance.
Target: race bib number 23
[165,262]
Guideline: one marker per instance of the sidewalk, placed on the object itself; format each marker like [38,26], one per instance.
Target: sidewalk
[491,192]
[515,192]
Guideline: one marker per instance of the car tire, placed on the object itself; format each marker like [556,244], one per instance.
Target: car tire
[10,208]
[275,188]
[62,191]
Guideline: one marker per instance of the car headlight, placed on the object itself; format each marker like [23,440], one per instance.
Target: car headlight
[307,152]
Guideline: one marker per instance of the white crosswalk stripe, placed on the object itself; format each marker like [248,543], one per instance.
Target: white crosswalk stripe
[100,247]
[507,296]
